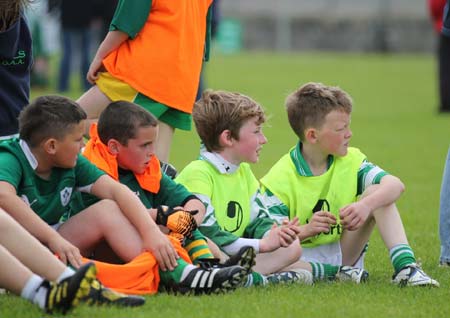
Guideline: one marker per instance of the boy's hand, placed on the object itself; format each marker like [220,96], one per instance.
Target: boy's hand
[289,231]
[354,215]
[94,68]
[67,253]
[176,220]
[272,241]
[162,249]
[320,222]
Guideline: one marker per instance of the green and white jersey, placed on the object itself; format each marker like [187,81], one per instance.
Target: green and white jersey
[235,215]
[290,189]
[48,198]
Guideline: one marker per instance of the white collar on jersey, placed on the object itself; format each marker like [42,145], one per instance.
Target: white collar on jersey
[28,154]
[222,165]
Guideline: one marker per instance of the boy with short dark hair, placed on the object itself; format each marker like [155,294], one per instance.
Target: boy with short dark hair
[335,192]
[40,172]
[123,146]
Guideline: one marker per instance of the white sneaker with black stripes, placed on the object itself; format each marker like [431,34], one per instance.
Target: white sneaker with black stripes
[211,281]
[413,275]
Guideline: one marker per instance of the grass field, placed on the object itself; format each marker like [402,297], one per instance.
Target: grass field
[394,122]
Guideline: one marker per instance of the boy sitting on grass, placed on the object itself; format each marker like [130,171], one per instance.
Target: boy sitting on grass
[229,126]
[335,192]
[123,146]
[40,172]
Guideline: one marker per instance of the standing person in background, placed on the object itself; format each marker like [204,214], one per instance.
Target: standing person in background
[152,56]
[15,65]
[76,18]
[215,20]
[444,206]
[104,12]
[436,9]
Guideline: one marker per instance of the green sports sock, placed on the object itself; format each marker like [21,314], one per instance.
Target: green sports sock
[197,247]
[401,255]
[322,271]
[178,274]
[255,279]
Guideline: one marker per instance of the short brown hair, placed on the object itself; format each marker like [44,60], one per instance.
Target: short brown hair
[49,116]
[217,111]
[121,120]
[308,106]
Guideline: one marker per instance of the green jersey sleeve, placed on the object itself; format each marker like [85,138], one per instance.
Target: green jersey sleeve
[171,193]
[10,169]
[130,16]
[211,228]
[86,174]
[277,210]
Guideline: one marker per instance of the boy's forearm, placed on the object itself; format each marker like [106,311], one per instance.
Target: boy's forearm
[27,218]
[388,191]
[198,205]
[111,42]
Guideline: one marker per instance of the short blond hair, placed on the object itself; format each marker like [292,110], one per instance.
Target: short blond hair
[307,106]
[217,111]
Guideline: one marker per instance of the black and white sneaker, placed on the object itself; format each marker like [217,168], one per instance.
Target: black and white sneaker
[209,281]
[413,275]
[245,258]
[354,274]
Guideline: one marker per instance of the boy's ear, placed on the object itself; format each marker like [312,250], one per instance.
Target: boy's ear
[113,146]
[225,138]
[50,146]
[311,135]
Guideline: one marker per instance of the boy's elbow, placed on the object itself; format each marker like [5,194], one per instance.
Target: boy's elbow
[399,185]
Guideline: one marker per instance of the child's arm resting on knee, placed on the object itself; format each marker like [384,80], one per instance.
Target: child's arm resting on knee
[386,192]
[153,239]
[37,227]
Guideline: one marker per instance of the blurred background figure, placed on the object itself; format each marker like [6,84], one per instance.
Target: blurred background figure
[15,65]
[75,18]
[37,15]
[436,10]
[103,11]
[215,20]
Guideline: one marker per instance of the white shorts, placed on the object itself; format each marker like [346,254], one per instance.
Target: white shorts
[328,254]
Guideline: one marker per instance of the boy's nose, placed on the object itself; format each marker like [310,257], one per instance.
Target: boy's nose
[263,139]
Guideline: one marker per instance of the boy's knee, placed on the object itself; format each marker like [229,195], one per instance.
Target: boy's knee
[294,250]
[106,208]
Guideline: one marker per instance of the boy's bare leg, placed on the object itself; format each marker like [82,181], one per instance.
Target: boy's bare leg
[215,250]
[164,142]
[14,275]
[278,260]
[93,102]
[26,249]
[103,221]
[389,224]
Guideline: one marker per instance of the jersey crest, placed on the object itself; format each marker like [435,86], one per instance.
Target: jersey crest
[65,195]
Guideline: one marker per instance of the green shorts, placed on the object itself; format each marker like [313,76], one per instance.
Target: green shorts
[116,90]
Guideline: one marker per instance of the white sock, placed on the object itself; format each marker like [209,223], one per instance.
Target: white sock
[67,273]
[33,292]
[186,271]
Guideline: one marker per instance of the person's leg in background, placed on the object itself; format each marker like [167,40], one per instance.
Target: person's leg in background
[444,215]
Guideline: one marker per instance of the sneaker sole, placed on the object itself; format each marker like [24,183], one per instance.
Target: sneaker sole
[247,260]
[85,285]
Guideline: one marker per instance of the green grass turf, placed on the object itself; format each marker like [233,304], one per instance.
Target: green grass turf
[394,122]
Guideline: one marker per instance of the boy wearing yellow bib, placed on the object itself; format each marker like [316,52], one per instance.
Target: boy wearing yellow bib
[335,192]
[229,125]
